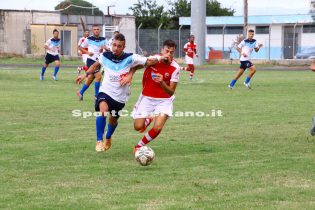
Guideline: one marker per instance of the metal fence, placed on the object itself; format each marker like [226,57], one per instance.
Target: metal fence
[290,43]
[149,41]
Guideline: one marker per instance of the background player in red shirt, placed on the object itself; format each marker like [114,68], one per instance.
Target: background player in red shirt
[190,48]
[84,55]
[159,84]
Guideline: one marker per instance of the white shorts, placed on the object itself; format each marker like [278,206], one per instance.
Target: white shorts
[84,58]
[189,60]
[147,106]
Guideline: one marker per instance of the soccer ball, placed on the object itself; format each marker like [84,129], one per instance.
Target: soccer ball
[144,155]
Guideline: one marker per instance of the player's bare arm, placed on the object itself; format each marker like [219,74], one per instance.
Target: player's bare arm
[91,70]
[127,79]
[48,48]
[257,48]
[169,89]
[85,51]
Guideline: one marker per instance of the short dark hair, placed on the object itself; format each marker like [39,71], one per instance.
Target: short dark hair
[120,37]
[251,30]
[95,25]
[55,30]
[169,43]
[116,32]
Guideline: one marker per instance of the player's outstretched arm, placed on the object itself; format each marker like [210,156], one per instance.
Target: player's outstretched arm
[258,48]
[91,70]
[152,60]
[127,79]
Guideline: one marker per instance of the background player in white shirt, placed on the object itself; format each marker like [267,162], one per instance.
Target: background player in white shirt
[96,45]
[114,90]
[52,47]
[245,48]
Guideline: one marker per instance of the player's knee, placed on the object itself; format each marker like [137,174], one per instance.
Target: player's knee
[138,126]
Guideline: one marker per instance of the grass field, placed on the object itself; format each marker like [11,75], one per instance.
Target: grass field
[258,155]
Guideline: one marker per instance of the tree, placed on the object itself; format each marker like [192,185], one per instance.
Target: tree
[150,14]
[214,9]
[77,10]
[182,8]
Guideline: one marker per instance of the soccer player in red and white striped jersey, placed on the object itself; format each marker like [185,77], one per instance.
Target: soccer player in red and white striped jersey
[190,48]
[159,85]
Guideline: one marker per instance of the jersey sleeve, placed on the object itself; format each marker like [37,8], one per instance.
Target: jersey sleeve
[175,75]
[85,44]
[138,60]
[186,46]
[48,42]
[241,44]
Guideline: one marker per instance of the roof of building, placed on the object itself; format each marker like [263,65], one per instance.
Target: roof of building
[255,19]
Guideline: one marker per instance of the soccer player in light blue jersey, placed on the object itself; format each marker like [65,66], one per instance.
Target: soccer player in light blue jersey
[52,47]
[96,45]
[245,48]
[114,91]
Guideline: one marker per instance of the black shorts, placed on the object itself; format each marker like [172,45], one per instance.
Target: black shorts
[49,58]
[113,106]
[90,62]
[246,64]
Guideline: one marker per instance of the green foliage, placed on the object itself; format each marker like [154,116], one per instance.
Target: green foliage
[152,15]
[76,10]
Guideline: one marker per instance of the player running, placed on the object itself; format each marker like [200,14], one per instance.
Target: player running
[159,85]
[245,48]
[95,44]
[190,49]
[83,55]
[52,47]
[114,90]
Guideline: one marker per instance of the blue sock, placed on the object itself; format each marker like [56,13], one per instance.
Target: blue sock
[247,80]
[233,82]
[110,130]
[97,87]
[84,88]
[100,127]
[56,70]
[43,70]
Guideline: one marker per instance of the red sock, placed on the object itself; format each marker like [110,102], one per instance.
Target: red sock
[149,136]
[85,68]
[184,68]
[192,70]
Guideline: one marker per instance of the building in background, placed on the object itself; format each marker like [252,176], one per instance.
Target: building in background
[24,32]
[283,36]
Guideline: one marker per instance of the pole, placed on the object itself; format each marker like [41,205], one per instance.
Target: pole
[269,53]
[245,17]
[179,40]
[138,31]
[198,28]
[293,48]
[223,33]
[159,37]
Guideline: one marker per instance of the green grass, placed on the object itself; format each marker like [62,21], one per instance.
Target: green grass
[258,155]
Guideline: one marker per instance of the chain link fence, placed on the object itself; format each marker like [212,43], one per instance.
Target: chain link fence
[150,41]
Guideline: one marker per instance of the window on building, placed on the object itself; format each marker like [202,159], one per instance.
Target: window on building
[214,30]
[262,30]
[234,30]
[309,28]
